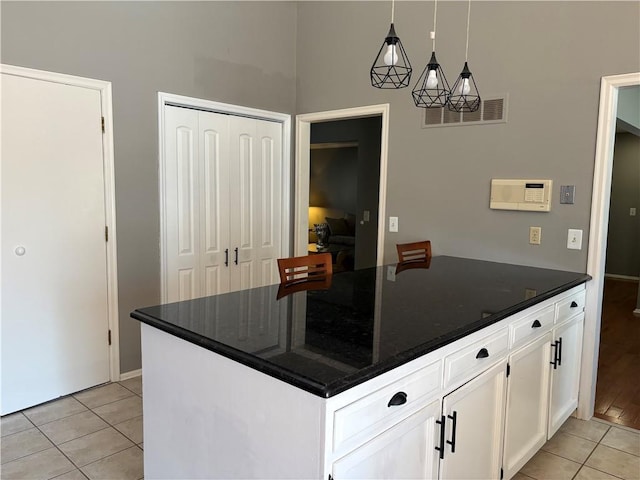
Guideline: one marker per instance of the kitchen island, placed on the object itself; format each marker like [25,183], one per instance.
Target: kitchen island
[465,366]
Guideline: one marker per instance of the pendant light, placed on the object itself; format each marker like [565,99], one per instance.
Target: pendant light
[432,89]
[391,68]
[464,94]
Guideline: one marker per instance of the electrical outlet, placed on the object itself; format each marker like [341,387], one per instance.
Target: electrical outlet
[366,215]
[393,224]
[391,273]
[535,235]
[632,211]
[574,239]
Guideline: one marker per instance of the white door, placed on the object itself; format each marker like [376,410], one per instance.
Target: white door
[565,377]
[474,442]
[527,404]
[405,451]
[222,198]
[54,272]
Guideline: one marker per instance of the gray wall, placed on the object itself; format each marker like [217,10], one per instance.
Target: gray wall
[544,55]
[623,239]
[235,52]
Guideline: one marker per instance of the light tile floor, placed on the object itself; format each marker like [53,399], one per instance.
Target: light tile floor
[95,434]
[593,450]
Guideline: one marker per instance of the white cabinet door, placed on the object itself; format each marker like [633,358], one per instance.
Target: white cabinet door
[406,451]
[527,404]
[565,373]
[474,427]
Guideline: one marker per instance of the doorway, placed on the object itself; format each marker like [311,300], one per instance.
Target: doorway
[601,197]
[59,280]
[318,128]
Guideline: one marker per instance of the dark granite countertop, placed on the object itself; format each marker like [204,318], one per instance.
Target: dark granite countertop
[355,330]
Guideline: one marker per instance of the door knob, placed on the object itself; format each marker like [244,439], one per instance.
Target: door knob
[20,251]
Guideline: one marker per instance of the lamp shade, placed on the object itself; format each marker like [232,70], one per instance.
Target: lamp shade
[391,68]
[464,94]
[432,89]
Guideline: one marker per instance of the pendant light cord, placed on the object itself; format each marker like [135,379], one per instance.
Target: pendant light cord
[433,34]
[466,53]
[393,4]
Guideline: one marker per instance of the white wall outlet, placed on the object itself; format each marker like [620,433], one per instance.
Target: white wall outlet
[535,235]
[632,212]
[574,239]
[391,273]
[393,224]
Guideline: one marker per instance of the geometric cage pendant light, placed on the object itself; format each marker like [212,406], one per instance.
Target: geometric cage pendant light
[464,94]
[432,89]
[391,68]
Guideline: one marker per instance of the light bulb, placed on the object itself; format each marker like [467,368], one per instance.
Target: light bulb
[465,88]
[391,55]
[432,80]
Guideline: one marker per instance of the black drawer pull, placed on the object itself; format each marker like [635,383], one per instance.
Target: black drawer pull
[236,260]
[536,324]
[483,353]
[559,350]
[226,257]
[554,345]
[452,442]
[399,398]
[574,304]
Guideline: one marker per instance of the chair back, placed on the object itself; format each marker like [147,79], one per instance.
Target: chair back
[414,252]
[309,268]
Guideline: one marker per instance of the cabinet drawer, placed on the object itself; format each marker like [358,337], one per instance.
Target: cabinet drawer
[473,359]
[357,422]
[570,306]
[532,326]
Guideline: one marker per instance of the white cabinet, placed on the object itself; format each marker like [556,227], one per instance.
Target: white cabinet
[221,203]
[474,420]
[406,451]
[565,374]
[527,403]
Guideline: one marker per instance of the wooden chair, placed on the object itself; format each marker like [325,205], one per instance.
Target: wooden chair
[414,252]
[304,273]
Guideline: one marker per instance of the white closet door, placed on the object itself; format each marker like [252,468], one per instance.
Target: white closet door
[182,204]
[215,254]
[54,270]
[256,191]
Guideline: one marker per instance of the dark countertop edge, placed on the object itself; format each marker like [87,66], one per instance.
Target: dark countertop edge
[330,390]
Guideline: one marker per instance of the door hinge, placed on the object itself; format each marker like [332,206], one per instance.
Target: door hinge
[508,369]
[102,123]
[109,337]
[106,233]
[501,473]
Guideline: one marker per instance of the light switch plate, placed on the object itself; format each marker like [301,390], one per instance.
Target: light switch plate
[574,239]
[567,194]
[393,224]
[366,215]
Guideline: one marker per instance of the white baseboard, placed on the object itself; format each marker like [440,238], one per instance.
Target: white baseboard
[621,277]
[131,374]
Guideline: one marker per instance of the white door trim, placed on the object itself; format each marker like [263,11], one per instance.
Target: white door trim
[303,143]
[598,229]
[109,191]
[217,107]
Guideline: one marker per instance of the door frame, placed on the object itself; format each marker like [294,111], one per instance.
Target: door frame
[598,229]
[170,99]
[302,168]
[104,88]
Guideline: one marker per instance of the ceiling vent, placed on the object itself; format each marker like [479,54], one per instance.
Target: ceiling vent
[492,110]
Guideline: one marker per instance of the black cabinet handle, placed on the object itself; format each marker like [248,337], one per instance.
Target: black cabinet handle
[536,324]
[236,260]
[399,398]
[226,257]
[555,355]
[483,353]
[573,305]
[559,350]
[454,422]
[440,448]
